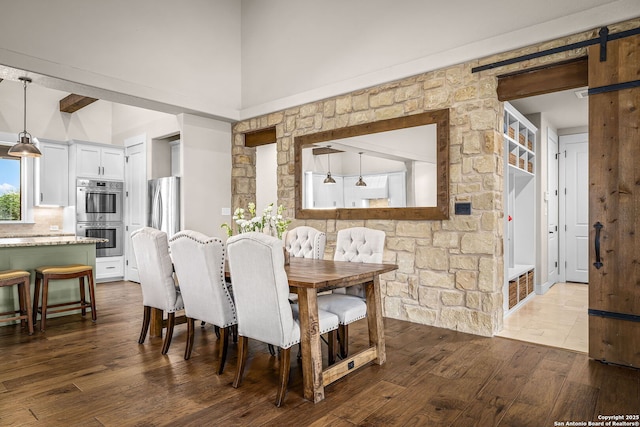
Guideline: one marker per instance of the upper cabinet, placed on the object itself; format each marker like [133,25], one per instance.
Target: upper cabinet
[52,174]
[96,161]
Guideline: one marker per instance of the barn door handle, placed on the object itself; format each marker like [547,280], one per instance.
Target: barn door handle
[598,227]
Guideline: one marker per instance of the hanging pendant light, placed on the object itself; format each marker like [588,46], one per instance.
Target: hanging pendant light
[329,179]
[361,182]
[24,146]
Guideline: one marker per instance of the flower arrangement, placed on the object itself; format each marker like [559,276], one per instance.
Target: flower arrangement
[269,222]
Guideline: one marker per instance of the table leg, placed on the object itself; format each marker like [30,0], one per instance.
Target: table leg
[155,326]
[374,319]
[310,343]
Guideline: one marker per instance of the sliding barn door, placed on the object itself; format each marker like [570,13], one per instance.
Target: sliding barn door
[614,206]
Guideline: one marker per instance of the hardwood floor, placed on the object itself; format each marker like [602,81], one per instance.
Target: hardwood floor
[79,373]
[559,318]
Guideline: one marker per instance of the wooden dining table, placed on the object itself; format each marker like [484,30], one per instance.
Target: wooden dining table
[306,278]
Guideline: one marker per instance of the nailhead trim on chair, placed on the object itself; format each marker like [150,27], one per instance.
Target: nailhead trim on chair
[222,278]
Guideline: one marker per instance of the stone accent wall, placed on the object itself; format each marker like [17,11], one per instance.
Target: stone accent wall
[450,272]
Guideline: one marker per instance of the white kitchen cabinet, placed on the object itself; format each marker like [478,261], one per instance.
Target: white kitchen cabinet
[327,196]
[109,268]
[520,207]
[52,174]
[96,161]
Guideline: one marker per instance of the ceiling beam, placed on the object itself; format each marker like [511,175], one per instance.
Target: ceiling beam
[541,80]
[73,103]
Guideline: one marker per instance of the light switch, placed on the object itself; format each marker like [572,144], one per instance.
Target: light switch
[226,211]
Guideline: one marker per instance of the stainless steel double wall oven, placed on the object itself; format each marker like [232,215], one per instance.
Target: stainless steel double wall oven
[99,213]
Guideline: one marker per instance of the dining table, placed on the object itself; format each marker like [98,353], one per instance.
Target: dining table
[307,277]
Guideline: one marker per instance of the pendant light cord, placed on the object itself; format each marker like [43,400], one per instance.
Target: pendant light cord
[25,105]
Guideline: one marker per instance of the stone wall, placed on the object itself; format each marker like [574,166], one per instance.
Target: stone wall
[450,272]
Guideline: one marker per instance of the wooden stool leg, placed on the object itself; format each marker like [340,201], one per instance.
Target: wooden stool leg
[36,299]
[92,295]
[45,297]
[27,304]
[83,298]
[21,308]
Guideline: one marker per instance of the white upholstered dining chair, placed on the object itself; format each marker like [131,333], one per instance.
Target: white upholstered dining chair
[357,244]
[199,264]
[261,290]
[304,242]
[159,290]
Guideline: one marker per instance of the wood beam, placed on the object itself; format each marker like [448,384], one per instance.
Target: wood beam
[538,81]
[260,137]
[73,103]
[325,150]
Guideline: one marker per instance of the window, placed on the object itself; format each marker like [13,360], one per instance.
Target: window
[10,188]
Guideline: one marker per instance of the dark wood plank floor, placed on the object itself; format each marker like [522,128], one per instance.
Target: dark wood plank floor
[82,374]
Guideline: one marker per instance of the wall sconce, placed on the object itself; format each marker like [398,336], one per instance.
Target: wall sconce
[361,182]
[24,147]
[329,179]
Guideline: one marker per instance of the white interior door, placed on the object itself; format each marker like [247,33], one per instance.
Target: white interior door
[136,187]
[576,199]
[552,207]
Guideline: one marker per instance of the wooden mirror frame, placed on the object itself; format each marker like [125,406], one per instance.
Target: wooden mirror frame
[438,212]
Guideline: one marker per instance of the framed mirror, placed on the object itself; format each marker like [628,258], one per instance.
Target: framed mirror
[389,169]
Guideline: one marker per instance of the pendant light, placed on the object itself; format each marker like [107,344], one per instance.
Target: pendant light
[361,182]
[24,147]
[329,179]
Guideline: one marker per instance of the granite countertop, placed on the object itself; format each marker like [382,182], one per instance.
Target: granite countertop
[48,241]
[50,234]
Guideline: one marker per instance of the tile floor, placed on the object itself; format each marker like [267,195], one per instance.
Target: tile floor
[557,319]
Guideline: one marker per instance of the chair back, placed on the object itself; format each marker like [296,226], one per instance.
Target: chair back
[360,244]
[261,289]
[199,264]
[151,249]
[305,242]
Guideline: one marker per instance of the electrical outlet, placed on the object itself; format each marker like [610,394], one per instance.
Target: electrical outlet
[53,228]
[225,211]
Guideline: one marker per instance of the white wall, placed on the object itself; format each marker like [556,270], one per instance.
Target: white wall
[320,49]
[183,53]
[206,174]
[44,119]
[266,176]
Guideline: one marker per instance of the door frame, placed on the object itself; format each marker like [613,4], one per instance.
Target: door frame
[553,161]
[129,142]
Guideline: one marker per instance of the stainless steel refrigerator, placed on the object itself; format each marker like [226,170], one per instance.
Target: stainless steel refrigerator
[164,204]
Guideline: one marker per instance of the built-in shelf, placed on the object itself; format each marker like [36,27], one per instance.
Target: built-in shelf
[520,146]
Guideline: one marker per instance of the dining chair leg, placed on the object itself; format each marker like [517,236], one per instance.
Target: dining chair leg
[332,341]
[216,330]
[242,359]
[171,321]
[285,363]
[146,318]
[343,338]
[190,334]
[272,349]
[224,345]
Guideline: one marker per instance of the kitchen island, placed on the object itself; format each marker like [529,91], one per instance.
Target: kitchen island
[28,253]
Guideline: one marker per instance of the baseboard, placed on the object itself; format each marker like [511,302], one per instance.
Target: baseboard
[543,288]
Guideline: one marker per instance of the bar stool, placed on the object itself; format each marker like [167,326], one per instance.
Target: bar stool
[21,279]
[62,272]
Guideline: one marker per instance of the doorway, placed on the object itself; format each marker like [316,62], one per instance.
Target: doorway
[558,314]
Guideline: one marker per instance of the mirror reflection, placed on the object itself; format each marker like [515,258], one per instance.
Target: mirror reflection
[391,169]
